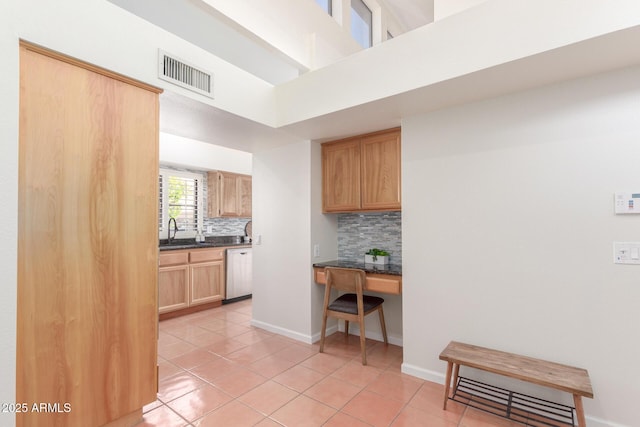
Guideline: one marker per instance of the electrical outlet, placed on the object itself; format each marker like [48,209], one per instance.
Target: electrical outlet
[316,250]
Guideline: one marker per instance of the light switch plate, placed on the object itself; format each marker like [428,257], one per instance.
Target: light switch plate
[626,252]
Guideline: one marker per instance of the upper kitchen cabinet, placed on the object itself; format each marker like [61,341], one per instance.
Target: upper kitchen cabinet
[362,173]
[229,195]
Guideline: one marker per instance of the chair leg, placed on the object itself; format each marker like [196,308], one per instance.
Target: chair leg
[323,331]
[382,325]
[346,330]
[363,344]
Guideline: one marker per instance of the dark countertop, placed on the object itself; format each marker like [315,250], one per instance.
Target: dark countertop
[215,242]
[393,269]
[195,245]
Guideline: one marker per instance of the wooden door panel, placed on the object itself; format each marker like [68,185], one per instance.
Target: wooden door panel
[381,171]
[207,282]
[228,195]
[245,189]
[87,251]
[341,176]
[173,288]
[213,202]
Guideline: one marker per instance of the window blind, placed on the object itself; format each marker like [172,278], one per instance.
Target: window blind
[180,198]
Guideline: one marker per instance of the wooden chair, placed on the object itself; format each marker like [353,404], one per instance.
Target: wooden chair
[352,306]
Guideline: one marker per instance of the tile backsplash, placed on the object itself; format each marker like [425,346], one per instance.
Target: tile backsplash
[225,226]
[359,232]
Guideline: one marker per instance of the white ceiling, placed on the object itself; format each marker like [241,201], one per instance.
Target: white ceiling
[186,117]
[196,22]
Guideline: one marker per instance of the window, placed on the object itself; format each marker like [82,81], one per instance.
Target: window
[180,197]
[361,21]
[325,5]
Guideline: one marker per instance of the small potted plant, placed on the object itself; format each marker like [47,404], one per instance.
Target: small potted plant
[376,256]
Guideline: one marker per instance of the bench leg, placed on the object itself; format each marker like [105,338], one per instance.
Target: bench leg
[447,384]
[456,374]
[577,401]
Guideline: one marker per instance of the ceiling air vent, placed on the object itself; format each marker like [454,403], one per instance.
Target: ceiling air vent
[180,73]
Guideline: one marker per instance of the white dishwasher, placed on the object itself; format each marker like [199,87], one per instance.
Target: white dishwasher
[239,274]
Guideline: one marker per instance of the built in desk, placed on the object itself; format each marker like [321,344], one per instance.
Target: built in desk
[386,279]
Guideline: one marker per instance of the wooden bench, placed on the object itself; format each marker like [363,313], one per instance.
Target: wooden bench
[549,374]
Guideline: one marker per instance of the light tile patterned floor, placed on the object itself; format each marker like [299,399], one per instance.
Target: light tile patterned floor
[217,370]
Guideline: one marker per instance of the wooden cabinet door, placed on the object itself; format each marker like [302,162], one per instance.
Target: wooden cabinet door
[245,194]
[228,196]
[207,282]
[381,171]
[341,176]
[173,288]
[87,303]
[213,209]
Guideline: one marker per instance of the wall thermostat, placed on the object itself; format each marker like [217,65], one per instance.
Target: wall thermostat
[627,202]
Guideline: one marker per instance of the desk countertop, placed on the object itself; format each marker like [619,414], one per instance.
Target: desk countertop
[392,269]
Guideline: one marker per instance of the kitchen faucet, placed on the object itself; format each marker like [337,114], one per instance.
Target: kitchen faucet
[175,229]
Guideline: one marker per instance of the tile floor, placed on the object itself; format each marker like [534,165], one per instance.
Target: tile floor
[218,370]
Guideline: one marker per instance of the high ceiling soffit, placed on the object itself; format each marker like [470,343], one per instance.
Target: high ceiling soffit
[275,48]
[614,49]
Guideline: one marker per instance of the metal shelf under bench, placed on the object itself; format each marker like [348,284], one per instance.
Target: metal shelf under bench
[500,401]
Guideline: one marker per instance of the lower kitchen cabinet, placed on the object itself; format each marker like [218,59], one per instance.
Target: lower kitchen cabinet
[173,288]
[190,278]
[207,282]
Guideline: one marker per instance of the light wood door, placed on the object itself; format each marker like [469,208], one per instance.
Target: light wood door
[341,176]
[87,242]
[381,171]
[207,282]
[173,288]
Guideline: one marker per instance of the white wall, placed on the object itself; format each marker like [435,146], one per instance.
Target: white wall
[482,39]
[178,151]
[103,34]
[324,232]
[508,227]
[282,276]
[299,30]
[9,95]
[444,8]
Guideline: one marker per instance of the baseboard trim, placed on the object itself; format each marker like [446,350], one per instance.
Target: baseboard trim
[372,335]
[598,422]
[425,374]
[308,339]
[330,331]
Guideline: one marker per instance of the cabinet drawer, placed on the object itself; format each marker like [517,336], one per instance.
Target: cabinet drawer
[173,258]
[384,283]
[202,255]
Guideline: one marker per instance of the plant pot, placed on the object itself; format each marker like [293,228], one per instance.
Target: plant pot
[380,259]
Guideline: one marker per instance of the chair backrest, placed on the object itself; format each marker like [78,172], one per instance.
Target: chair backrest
[345,279]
